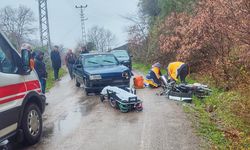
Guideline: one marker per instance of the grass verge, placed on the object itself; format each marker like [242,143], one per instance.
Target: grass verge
[222,119]
[144,68]
[216,121]
[50,81]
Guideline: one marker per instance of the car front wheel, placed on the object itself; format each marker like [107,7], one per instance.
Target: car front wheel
[77,83]
[32,124]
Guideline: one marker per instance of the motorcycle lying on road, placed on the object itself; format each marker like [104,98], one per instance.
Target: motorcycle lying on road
[183,92]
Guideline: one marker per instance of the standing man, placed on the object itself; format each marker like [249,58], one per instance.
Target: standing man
[56,61]
[70,60]
[83,50]
[40,68]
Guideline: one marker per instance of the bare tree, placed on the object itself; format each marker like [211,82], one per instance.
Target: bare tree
[149,7]
[110,39]
[138,35]
[103,39]
[94,36]
[17,23]
[140,22]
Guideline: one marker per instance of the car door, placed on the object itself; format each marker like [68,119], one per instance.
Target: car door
[12,88]
[79,70]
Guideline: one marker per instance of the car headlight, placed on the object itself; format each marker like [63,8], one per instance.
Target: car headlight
[125,75]
[95,77]
[125,62]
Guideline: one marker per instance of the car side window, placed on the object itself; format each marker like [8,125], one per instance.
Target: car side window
[7,64]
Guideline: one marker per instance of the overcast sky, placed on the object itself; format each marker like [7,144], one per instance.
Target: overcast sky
[64,18]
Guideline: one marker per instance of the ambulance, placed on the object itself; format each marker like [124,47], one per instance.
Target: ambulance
[21,100]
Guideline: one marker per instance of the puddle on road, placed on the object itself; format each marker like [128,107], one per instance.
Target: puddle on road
[65,125]
[68,122]
[87,104]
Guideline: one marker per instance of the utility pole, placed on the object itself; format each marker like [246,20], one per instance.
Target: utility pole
[44,25]
[83,19]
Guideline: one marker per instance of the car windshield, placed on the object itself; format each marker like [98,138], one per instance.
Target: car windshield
[120,54]
[100,60]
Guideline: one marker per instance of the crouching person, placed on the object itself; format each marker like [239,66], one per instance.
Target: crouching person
[153,77]
[178,70]
[40,68]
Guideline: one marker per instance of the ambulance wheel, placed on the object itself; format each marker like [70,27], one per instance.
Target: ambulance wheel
[32,124]
[113,103]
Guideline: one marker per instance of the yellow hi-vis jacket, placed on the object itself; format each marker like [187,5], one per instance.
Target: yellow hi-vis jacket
[173,69]
[157,71]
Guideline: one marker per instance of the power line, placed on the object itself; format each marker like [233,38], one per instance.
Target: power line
[83,19]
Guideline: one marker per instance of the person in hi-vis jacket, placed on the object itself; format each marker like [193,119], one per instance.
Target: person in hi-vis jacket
[178,70]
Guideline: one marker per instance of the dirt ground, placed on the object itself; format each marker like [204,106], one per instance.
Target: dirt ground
[78,122]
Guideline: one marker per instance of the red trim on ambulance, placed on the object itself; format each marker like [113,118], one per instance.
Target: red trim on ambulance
[14,89]
[12,99]
[31,85]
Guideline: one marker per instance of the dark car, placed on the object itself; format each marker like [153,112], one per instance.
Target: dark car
[123,57]
[95,71]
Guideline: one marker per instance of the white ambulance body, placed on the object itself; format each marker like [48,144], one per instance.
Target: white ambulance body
[21,100]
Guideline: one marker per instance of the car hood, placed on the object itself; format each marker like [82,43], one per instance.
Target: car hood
[106,70]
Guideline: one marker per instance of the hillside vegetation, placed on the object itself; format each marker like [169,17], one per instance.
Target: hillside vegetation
[213,37]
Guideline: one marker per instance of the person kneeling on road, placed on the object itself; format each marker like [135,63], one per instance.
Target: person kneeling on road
[153,77]
[178,70]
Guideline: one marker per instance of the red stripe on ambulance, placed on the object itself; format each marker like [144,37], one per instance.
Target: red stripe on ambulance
[18,88]
[12,99]
[12,89]
[31,85]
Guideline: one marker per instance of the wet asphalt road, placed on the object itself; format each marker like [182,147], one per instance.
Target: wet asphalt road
[78,122]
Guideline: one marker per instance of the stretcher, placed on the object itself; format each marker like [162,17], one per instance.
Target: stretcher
[123,99]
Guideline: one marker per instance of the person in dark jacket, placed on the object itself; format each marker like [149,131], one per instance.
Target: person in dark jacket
[56,61]
[84,50]
[70,60]
[40,68]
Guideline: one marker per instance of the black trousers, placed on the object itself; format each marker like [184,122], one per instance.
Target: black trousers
[70,69]
[56,72]
[183,72]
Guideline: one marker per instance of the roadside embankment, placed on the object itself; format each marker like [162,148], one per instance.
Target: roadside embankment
[222,119]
